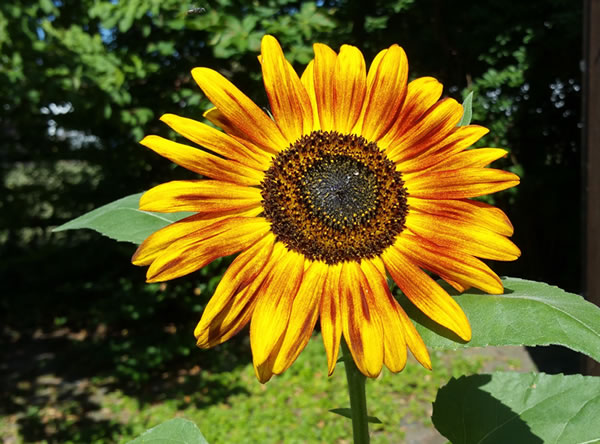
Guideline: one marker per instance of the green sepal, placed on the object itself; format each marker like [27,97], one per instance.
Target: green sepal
[467,110]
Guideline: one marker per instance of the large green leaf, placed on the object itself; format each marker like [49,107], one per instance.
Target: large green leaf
[174,431]
[529,313]
[123,221]
[508,407]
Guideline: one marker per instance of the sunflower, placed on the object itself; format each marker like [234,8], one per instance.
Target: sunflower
[356,176]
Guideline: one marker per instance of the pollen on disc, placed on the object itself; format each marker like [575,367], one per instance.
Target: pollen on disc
[334,198]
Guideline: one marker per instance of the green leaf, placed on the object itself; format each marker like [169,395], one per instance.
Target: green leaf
[174,431]
[509,407]
[123,221]
[468,110]
[347,413]
[529,313]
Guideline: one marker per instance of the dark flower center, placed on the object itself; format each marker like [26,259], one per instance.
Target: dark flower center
[334,198]
[340,190]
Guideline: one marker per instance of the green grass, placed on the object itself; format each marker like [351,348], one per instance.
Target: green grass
[233,406]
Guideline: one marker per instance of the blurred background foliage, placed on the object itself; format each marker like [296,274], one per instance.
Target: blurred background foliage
[82,81]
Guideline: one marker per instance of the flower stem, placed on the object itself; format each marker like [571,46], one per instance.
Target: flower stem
[358,397]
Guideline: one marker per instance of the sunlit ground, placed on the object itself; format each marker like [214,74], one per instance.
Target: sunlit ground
[228,404]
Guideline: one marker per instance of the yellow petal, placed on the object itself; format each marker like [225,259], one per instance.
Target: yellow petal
[303,317]
[476,158]
[425,293]
[462,236]
[394,353]
[223,144]
[421,94]
[414,341]
[331,318]
[204,163]
[263,153]
[192,252]
[425,156]
[324,69]
[350,82]
[308,80]
[361,322]
[449,263]
[459,184]
[386,90]
[409,332]
[275,297]
[462,287]
[289,101]
[232,304]
[154,245]
[217,118]
[468,211]
[202,196]
[433,128]
[264,371]
[242,112]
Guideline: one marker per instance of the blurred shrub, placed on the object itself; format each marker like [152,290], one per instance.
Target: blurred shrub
[81,82]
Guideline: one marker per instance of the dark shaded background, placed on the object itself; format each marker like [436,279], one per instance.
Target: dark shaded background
[82,81]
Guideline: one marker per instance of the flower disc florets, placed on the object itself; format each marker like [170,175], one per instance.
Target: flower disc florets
[334,198]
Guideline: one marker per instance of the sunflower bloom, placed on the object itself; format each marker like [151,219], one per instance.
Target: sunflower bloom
[359,175]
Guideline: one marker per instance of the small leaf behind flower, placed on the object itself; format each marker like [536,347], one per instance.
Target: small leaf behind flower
[347,413]
[122,220]
[468,110]
[174,431]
